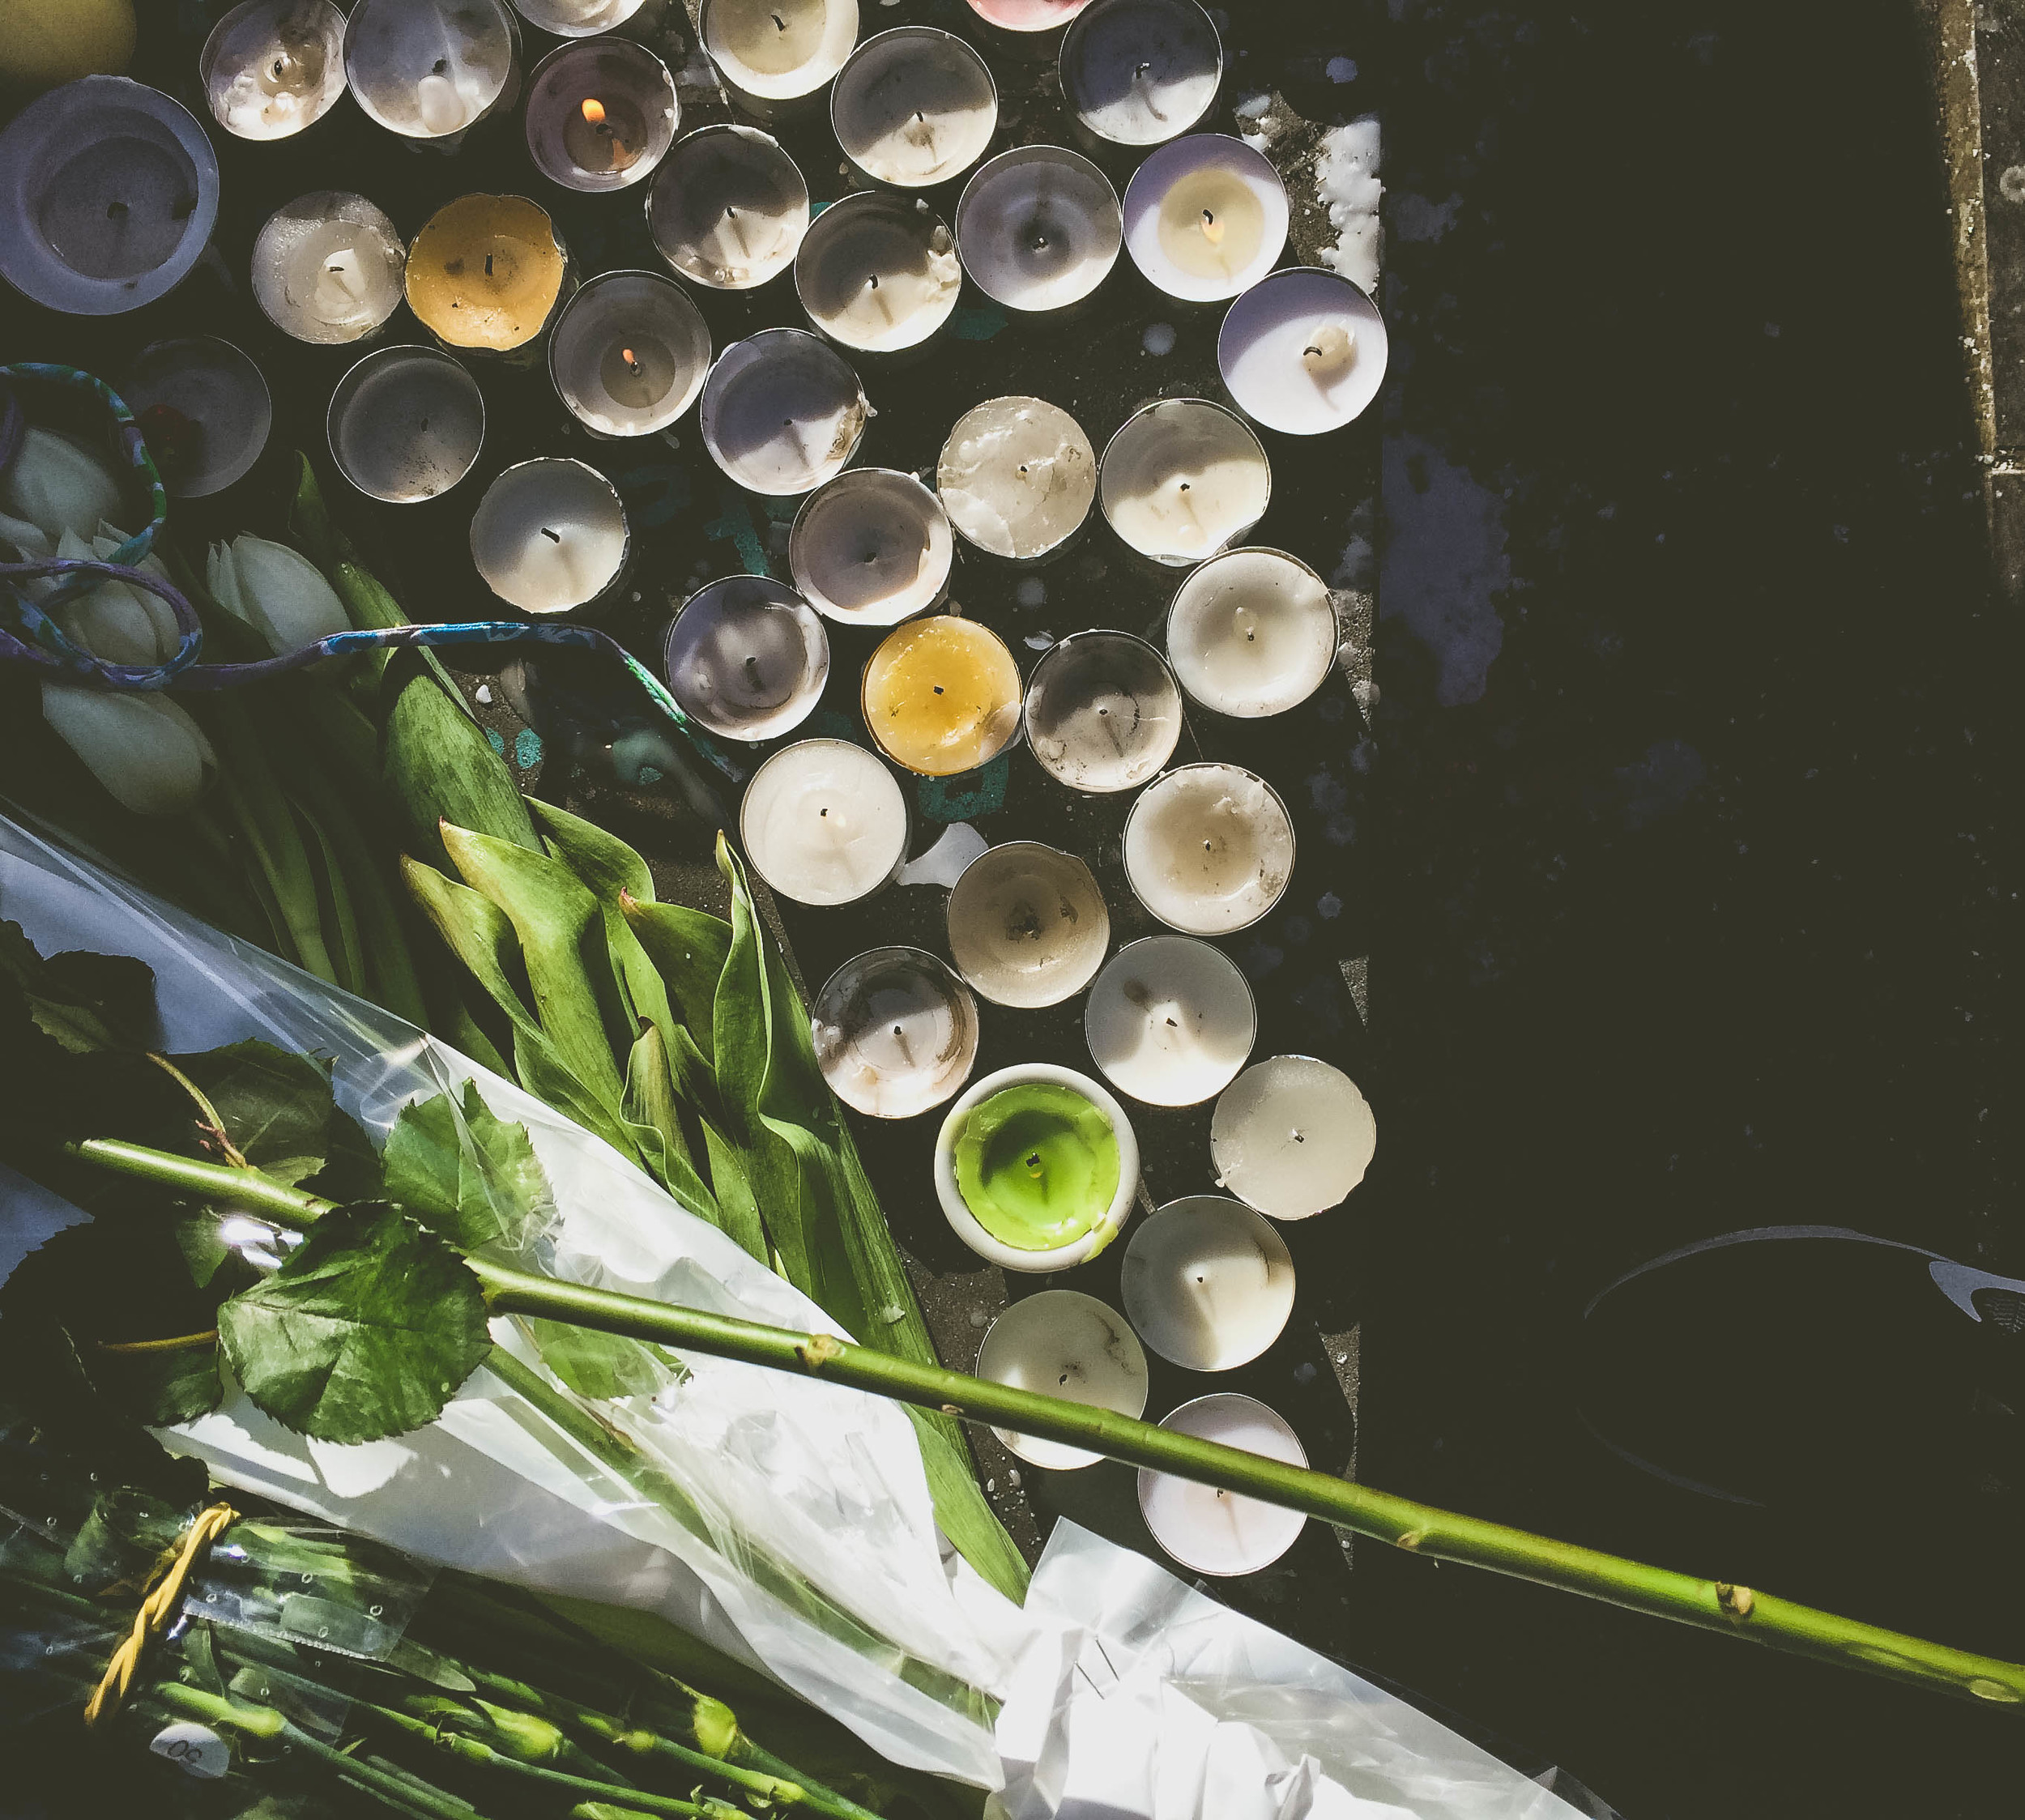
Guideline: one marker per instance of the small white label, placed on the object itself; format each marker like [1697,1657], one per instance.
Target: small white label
[196,1749]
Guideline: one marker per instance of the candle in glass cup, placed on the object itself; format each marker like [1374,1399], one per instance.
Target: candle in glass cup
[327,268]
[1303,351]
[1063,1344]
[1039,228]
[1252,632]
[914,106]
[578,19]
[746,659]
[895,1032]
[871,548]
[728,208]
[1103,712]
[1205,217]
[271,67]
[1208,848]
[1182,478]
[600,115]
[1027,925]
[774,56]
[204,409]
[629,353]
[1170,1020]
[406,425]
[550,535]
[1207,1283]
[824,822]
[1209,1530]
[878,273]
[486,271]
[782,412]
[1291,1136]
[430,69]
[941,696]
[1141,72]
[1017,477]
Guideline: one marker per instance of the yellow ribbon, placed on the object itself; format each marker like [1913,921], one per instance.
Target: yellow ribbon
[158,1610]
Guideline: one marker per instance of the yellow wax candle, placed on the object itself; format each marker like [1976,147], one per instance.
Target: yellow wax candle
[1211,224]
[942,696]
[485,272]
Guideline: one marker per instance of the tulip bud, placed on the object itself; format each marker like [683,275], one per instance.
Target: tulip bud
[149,754]
[53,485]
[282,595]
[113,620]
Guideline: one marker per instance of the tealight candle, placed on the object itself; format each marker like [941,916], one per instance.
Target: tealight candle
[1017,477]
[629,354]
[1252,632]
[1291,1136]
[327,268]
[1207,1283]
[1209,1530]
[204,409]
[550,535]
[772,55]
[895,1032]
[109,192]
[486,271]
[405,425]
[1103,712]
[1205,217]
[782,413]
[877,272]
[1039,227]
[914,106]
[1208,848]
[824,822]
[1069,1345]
[600,114]
[729,208]
[871,548]
[1170,1020]
[578,19]
[1141,72]
[1027,925]
[1182,478]
[747,658]
[1027,15]
[429,70]
[1303,351]
[941,696]
[271,67]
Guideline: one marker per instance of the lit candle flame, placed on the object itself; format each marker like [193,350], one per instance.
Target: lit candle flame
[625,354]
[594,110]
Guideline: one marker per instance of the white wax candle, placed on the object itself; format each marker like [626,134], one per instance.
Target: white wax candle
[1182,479]
[895,1032]
[1039,227]
[772,53]
[1291,1136]
[871,548]
[781,412]
[824,822]
[430,68]
[204,409]
[1252,632]
[629,353]
[1103,712]
[1303,351]
[1212,1531]
[1205,217]
[405,425]
[1207,1283]
[578,19]
[914,106]
[326,268]
[1017,477]
[600,114]
[109,192]
[747,658]
[1027,15]
[1170,1020]
[878,273]
[728,208]
[1208,848]
[1141,72]
[550,535]
[271,67]
[1062,1343]
[1028,925]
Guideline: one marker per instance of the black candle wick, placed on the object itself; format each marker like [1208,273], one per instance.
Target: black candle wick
[553,536]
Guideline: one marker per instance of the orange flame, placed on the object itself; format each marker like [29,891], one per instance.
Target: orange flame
[594,111]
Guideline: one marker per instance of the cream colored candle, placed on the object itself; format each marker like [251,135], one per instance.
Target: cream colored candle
[1252,632]
[1209,1530]
[728,208]
[941,696]
[1303,351]
[430,69]
[1208,848]
[1205,217]
[1103,712]
[773,55]
[1170,1020]
[1017,477]
[485,272]
[1182,479]
[746,659]
[550,535]
[629,354]
[871,548]
[878,273]
[405,425]
[1291,1136]
[600,114]
[1139,72]
[1061,1343]
[782,413]
[1039,228]
[271,67]
[824,822]
[895,1032]
[578,19]
[327,268]
[1207,1283]
[914,106]
[1028,925]
[204,409]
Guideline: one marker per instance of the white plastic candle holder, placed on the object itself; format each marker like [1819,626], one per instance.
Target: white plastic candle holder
[1170,1020]
[406,425]
[1138,73]
[746,659]
[871,548]
[1214,1531]
[878,274]
[1028,926]
[1291,1136]
[1304,351]
[1205,217]
[1182,479]
[1103,712]
[1252,632]
[1039,228]
[550,537]
[432,70]
[1207,1283]
[776,56]
[1062,1343]
[782,412]
[728,208]
[914,106]
[895,1032]
[326,268]
[217,408]
[271,68]
[600,115]
[824,822]
[629,354]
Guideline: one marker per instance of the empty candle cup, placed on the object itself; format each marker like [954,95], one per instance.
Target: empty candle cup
[327,268]
[941,696]
[1252,632]
[1208,848]
[1207,1283]
[1206,1529]
[486,273]
[871,548]
[914,106]
[271,67]
[775,56]
[1017,477]
[878,273]
[550,536]
[1039,228]
[824,822]
[1291,1136]
[1205,217]
[1027,925]
[1141,72]
[895,1032]
[406,425]
[1182,479]
[629,354]
[746,659]
[1062,1343]
[782,413]
[204,409]
[728,208]
[1170,1020]
[600,114]
[1103,712]
[431,70]
[1303,351]
[578,19]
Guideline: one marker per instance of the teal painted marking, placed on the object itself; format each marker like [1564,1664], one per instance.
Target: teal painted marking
[494,740]
[980,324]
[648,774]
[964,798]
[832,723]
[735,526]
[527,749]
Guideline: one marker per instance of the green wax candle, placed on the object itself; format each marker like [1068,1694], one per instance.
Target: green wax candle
[1037,1166]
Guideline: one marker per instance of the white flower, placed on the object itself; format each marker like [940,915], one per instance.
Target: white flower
[282,595]
[148,753]
[53,485]
[114,620]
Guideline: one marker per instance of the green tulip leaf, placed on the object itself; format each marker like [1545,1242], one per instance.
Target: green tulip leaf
[689,948]
[604,863]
